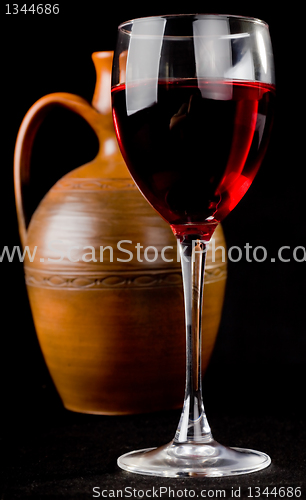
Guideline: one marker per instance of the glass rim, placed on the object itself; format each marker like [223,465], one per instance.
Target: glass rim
[249,19]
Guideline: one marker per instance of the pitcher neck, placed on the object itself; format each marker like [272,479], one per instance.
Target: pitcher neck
[101,100]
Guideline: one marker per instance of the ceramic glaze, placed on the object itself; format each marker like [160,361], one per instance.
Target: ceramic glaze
[111,332]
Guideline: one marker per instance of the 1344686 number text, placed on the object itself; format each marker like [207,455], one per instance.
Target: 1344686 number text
[48,8]
[276,492]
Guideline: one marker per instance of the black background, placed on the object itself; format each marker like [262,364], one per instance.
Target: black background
[260,353]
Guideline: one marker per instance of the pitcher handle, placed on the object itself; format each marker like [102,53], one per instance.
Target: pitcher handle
[26,135]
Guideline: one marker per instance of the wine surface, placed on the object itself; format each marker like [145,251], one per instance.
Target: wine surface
[193,146]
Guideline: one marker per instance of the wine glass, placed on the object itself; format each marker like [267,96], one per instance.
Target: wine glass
[193,99]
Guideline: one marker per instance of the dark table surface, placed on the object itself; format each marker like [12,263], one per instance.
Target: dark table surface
[50,452]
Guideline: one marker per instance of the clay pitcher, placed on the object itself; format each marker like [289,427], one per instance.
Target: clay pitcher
[110,323]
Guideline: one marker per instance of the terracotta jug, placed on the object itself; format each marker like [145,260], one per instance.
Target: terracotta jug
[111,331]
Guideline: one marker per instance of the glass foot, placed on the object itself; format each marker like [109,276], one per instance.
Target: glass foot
[193,459]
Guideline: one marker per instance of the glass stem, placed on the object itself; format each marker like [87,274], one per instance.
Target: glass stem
[193,425]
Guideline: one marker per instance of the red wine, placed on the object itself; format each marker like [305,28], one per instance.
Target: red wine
[193,146]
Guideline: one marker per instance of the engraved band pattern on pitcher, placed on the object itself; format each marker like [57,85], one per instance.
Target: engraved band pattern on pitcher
[97,184]
[101,280]
[79,281]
